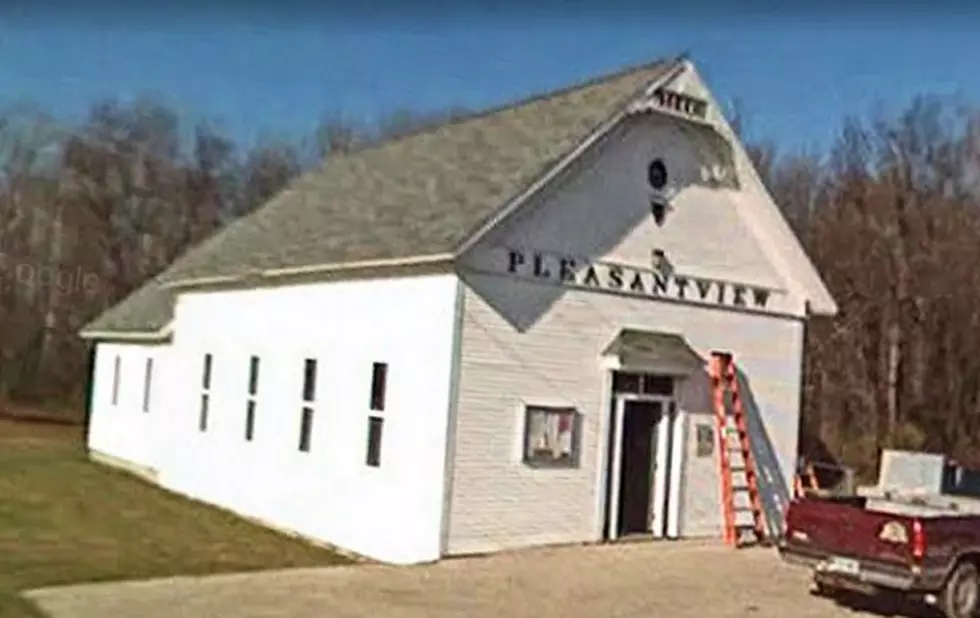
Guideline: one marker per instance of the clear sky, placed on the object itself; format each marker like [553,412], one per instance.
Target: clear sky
[279,67]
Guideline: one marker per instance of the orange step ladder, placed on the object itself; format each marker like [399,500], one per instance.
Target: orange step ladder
[741,504]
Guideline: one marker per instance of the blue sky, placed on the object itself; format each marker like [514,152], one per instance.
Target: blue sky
[280,69]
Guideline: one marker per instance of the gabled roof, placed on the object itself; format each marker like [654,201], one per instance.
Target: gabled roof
[424,194]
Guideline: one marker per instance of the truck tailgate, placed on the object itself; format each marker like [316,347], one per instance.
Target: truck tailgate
[844,528]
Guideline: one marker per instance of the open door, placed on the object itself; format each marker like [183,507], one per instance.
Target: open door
[638,470]
[642,468]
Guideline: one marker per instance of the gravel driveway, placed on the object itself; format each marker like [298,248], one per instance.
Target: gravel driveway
[681,580]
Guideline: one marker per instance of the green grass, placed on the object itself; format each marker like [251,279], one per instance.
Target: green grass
[66,520]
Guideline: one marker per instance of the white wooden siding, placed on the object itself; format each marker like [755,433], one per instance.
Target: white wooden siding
[391,513]
[497,502]
[124,431]
[603,213]
[777,239]
[527,342]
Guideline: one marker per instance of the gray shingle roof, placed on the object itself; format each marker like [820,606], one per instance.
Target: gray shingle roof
[148,309]
[421,194]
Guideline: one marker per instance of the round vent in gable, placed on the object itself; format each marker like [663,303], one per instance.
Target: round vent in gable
[657,174]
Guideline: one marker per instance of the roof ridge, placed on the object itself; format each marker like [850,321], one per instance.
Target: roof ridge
[506,106]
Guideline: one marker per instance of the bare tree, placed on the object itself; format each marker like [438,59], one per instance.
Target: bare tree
[267,169]
[891,219]
[29,215]
[88,213]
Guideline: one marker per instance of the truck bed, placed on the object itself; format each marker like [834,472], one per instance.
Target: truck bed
[905,542]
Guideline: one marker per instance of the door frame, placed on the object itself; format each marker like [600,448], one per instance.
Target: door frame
[664,490]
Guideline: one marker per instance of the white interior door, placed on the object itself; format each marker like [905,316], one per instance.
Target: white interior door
[677,424]
[661,472]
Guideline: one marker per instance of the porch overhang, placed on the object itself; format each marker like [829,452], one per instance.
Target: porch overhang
[652,352]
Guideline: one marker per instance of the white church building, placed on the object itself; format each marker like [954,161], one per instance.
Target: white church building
[489,334]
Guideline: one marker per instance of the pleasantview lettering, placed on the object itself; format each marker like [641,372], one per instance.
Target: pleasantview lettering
[575,272]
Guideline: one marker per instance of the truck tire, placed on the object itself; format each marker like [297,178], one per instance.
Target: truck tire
[960,597]
[822,589]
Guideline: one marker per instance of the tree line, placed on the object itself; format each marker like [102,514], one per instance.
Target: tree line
[90,211]
[891,217]
[890,214]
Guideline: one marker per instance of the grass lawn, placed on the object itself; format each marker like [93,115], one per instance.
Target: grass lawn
[66,520]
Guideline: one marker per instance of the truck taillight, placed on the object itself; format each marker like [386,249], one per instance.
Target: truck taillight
[918,540]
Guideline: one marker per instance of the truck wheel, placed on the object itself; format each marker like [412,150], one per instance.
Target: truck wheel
[960,597]
[823,590]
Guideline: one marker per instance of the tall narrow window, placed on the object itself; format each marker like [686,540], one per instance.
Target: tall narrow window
[306,414]
[147,384]
[249,419]
[253,375]
[379,380]
[202,421]
[250,404]
[206,374]
[375,425]
[309,379]
[116,368]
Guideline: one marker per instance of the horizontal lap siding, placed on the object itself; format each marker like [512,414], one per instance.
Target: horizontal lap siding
[124,431]
[541,343]
[497,502]
[391,513]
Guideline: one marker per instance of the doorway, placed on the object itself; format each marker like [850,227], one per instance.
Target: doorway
[638,449]
[643,460]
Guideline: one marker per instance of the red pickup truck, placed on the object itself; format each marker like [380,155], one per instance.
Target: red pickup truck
[882,545]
